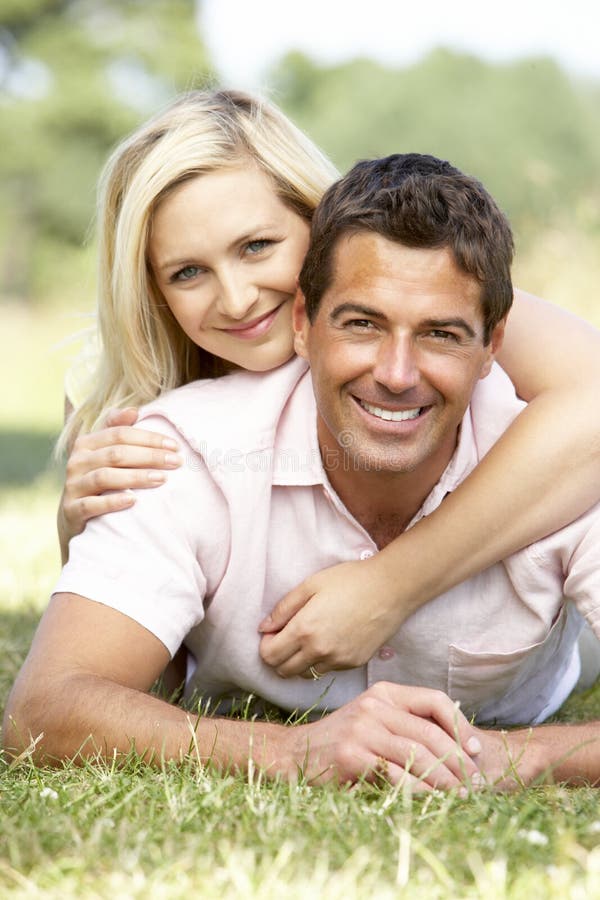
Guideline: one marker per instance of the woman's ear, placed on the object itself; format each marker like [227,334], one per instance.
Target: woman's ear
[300,324]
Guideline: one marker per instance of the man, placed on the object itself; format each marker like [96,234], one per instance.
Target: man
[404,296]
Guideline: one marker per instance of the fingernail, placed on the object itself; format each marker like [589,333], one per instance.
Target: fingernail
[473,745]
[265,624]
[168,444]
[173,459]
[157,477]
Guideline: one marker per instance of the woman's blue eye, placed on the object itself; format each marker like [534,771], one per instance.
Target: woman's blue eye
[257,246]
[186,273]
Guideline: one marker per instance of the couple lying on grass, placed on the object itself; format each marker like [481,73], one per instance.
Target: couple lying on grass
[351,433]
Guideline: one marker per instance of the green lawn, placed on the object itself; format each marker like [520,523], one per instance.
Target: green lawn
[124,832]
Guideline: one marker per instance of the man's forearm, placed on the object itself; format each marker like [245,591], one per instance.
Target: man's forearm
[402,732]
[83,716]
[547,753]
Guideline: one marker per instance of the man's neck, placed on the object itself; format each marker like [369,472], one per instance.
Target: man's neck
[383,502]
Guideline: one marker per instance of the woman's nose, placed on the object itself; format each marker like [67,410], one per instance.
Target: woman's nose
[237,297]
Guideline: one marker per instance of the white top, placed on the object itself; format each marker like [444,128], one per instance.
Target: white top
[251,513]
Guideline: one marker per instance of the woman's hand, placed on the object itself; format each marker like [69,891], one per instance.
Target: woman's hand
[336,619]
[116,459]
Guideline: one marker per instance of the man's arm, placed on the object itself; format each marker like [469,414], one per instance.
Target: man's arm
[84,688]
[545,753]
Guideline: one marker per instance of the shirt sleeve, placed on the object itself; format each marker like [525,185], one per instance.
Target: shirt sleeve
[576,550]
[159,561]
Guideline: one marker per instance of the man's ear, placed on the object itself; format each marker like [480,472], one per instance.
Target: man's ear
[493,348]
[300,324]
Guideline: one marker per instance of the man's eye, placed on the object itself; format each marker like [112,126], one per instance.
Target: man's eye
[441,335]
[185,274]
[360,324]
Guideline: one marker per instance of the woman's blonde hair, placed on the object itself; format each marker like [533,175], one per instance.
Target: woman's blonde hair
[143,351]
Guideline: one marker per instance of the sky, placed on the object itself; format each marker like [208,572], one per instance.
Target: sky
[246,36]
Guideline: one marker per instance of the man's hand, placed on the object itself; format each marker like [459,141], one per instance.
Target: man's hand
[392,732]
[336,619]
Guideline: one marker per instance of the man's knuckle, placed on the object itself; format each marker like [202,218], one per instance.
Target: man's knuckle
[379,689]
[367,704]
[417,757]
[440,696]
[429,732]
[345,756]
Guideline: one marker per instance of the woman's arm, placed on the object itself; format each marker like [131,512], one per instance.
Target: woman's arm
[116,459]
[541,474]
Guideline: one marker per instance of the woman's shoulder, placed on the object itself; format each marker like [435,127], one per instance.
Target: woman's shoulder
[240,409]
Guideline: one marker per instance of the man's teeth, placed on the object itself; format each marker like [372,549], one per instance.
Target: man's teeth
[398,415]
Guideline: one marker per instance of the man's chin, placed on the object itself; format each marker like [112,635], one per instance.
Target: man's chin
[390,461]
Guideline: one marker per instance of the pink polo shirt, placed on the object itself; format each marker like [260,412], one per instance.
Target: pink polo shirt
[202,559]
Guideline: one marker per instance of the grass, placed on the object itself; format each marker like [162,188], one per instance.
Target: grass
[129,831]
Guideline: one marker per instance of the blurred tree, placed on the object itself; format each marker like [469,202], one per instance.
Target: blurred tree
[530,133]
[75,75]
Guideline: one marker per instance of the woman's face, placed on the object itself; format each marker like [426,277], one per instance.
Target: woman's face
[225,252]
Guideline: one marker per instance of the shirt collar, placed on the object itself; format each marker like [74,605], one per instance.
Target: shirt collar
[297,459]
[463,461]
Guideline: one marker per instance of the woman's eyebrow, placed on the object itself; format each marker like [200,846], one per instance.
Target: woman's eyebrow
[247,236]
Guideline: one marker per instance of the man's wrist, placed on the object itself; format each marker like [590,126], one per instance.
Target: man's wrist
[518,758]
[233,745]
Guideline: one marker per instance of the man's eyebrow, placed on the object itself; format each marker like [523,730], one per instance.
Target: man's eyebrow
[456,322]
[357,309]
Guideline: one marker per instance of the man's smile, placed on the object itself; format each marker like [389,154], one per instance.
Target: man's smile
[391,415]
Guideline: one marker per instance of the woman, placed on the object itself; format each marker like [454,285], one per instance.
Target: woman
[204,220]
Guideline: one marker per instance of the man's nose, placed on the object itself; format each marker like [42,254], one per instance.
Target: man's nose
[237,296]
[396,366]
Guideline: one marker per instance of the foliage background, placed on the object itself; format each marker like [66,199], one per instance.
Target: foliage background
[76,75]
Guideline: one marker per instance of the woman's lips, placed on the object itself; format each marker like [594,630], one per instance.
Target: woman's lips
[255,328]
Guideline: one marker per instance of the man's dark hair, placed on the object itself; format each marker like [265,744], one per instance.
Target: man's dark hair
[419,201]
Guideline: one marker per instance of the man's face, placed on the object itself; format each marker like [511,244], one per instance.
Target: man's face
[395,350]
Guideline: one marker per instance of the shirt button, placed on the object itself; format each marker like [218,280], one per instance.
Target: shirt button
[366,554]
[386,653]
